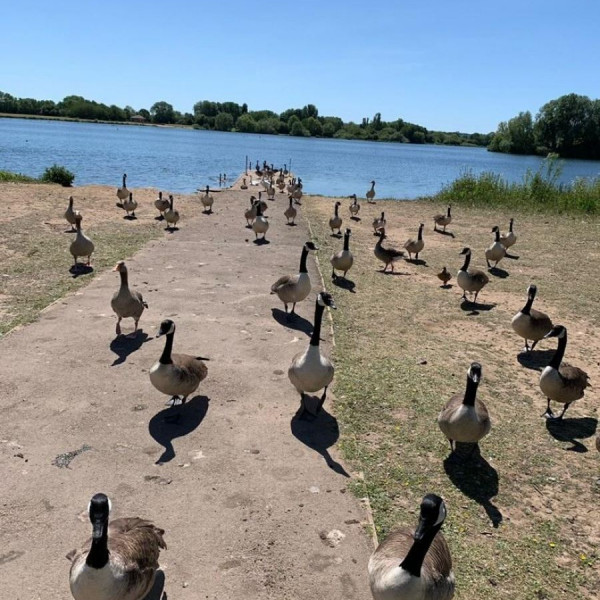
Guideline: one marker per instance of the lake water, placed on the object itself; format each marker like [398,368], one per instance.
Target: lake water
[181,160]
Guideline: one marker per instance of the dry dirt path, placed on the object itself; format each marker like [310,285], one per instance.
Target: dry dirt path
[242,489]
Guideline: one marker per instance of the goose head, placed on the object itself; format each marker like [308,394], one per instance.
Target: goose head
[495,228]
[166,327]
[373,182]
[78,217]
[433,514]
[311,246]
[348,232]
[381,233]
[558,331]
[532,291]
[120,267]
[98,511]
[474,372]
[326,299]
[465,251]
[338,203]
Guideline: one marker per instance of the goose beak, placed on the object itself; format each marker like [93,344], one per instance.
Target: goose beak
[332,305]
[98,529]
[159,334]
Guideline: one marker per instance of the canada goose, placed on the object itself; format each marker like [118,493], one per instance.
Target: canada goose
[413,246]
[70,214]
[370,195]
[415,565]
[271,191]
[335,222]
[161,204]
[263,204]
[81,245]
[171,215]
[126,303]
[444,276]
[250,214]
[379,223]
[297,191]
[120,560]
[176,374]
[311,370]
[342,261]
[123,192]
[244,185]
[560,381]
[290,212]
[128,205]
[510,238]
[465,418]
[386,255]
[470,280]
[529,323]
[292,289]
[207,201]
[496,251]
[442,220]
[260,224]
[354,207]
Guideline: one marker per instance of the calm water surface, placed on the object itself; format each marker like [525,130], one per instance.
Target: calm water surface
[181,160]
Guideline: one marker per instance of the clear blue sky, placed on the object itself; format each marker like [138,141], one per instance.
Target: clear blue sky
[446,64]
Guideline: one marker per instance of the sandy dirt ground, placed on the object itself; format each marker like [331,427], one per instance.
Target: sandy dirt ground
[254,502]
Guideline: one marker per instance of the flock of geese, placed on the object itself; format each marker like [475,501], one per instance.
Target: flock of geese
[120,561]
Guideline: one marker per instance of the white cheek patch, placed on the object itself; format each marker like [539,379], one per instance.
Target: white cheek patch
[441,514]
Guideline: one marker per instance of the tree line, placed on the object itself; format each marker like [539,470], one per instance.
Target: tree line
[231,116]
[568,126]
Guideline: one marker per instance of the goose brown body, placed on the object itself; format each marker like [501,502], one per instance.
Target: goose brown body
[126,303]
[82,245]
[120,565]
[414,564]
[529,323]
[389,255]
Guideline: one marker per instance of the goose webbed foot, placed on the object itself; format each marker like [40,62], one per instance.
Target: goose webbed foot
[175,401]
[322,400]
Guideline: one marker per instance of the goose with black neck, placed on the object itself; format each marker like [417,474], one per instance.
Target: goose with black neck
[292,289]
[415,565]
[529,323]
[559,381]
[120,561]
[311,370]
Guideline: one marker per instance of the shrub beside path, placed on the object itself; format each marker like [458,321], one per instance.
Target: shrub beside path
[250,507]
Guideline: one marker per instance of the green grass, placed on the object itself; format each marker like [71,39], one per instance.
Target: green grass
[538,192]
[9,177]
[34,250]
[521,522]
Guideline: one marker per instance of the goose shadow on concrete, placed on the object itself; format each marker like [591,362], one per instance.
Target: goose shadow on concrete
[498,272]
[448,233]
[346,284]
[476,479]
[474,308]
[261,242]
[416,261]
[123,346]
[190,415]
[567,430]
[157,592]
[80,269]
[318,433]
[535,360]
[292,321]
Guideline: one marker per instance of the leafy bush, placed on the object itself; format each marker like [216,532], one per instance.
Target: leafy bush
[58,174]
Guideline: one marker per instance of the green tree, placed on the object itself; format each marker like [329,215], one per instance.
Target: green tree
[515,136]
[313,126]
[297,129]
[246,124]
[162,112]
[224,121]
